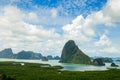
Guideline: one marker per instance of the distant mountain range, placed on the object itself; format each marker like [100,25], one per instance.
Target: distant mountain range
[8,53]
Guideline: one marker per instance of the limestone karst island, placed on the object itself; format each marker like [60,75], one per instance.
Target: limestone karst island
[72,54]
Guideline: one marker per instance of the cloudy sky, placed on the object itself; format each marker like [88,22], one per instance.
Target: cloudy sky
[45,25]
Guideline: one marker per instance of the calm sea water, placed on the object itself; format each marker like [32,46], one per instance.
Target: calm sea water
[67,66]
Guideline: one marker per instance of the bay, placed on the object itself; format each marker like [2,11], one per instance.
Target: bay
[67,66]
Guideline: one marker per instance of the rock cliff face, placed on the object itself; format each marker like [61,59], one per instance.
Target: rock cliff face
[72,54]
[6,53]
[98,62]
[44,58]
[114,65]
[28,55]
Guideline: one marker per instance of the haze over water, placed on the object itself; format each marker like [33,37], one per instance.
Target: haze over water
[67,66]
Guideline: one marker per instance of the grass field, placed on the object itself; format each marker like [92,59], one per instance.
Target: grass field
[31,71]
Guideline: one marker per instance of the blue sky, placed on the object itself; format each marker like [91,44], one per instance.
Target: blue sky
[45,25]
[67,7]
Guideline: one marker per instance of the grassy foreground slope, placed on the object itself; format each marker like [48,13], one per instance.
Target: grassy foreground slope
[32,71]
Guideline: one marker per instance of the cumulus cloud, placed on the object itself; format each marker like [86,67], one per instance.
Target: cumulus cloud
[17,31]
[112,10]
[83,29]
[77,30]
[12,14]
[19,35]
[107,16]
[103,41]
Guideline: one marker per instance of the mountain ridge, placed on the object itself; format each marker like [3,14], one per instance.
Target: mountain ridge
[8,53]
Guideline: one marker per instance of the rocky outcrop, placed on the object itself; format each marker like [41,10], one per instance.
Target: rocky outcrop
[57,58]
[6,53]
[44,58]
[49,57]
[28,55]
[98,62]
[114,65]
[72,54]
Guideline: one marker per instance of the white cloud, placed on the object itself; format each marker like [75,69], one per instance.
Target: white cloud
[103,41]
[108,15]
[12,14]
[51,17]
[18,34]
[54,13]
[113,50]
[85,29]
[112,10]
[33,17]
[77,31]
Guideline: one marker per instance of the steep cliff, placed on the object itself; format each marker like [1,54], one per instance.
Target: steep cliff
[72,54]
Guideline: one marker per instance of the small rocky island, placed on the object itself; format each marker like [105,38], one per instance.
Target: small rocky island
[114,65]
[98,62]
[44,58]
[72,54]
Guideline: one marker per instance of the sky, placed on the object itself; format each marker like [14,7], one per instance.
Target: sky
[44,26]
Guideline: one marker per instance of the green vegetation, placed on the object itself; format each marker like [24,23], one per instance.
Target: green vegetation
[32,71]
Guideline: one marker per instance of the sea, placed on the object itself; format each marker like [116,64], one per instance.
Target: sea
[67,66]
